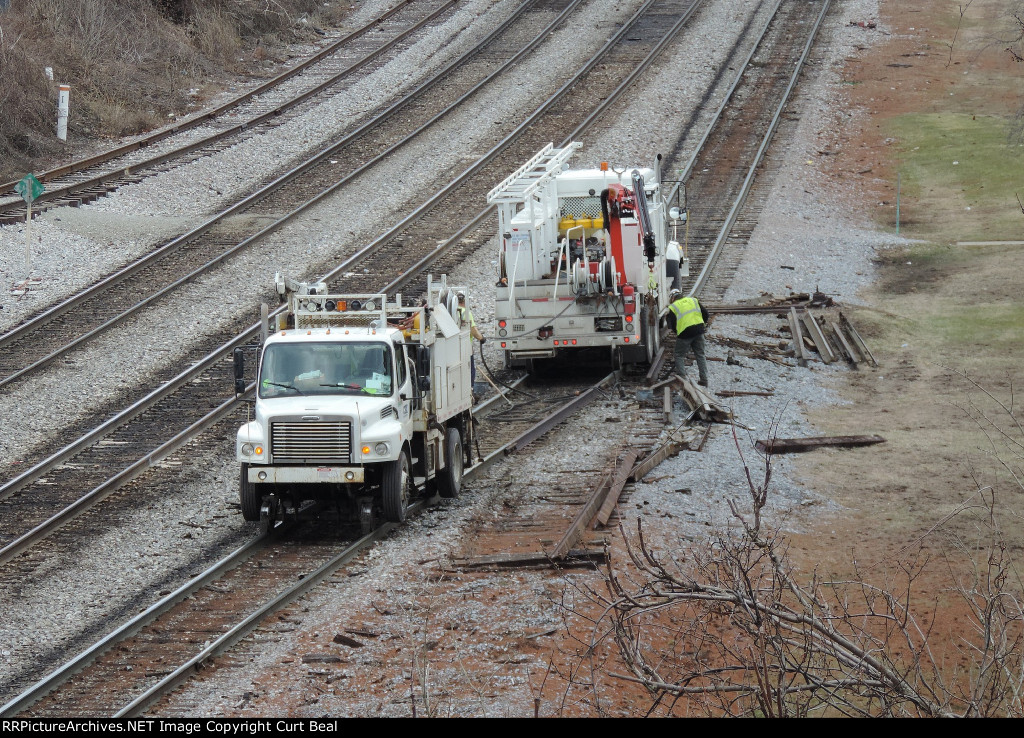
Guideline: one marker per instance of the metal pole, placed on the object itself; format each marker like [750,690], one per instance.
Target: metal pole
[898,203]
[28,240]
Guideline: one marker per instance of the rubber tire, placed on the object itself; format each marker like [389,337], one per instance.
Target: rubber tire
[449,479]
[651,334]
[396,488]
[616,358]
[249,496]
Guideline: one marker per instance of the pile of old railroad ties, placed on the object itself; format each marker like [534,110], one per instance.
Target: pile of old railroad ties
[824,335]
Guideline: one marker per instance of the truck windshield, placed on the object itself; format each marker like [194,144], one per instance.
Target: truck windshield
[292,369]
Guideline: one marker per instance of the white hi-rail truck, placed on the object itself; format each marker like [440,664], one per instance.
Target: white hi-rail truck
[584,262]
[360,404]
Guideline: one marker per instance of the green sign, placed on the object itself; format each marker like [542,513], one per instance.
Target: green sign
[29,188]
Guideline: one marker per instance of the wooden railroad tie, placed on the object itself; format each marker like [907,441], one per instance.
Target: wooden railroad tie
[799,445]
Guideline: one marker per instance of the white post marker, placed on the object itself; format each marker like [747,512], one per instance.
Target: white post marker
[63,106]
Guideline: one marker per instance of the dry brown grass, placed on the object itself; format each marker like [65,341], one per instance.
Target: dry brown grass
[131,64]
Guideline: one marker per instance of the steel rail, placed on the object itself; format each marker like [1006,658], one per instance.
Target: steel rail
[114,483]
[57,677]
[247,625]
[137,266]
[518,131]
[545,424]
[686,171]
[748,182]
[7,188]
[38,470]
[589,121]
[60,675]
[237,633]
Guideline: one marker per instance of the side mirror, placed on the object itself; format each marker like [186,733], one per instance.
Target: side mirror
[239,357]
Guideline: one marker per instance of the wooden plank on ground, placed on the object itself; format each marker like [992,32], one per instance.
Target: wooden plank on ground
[847,347]
[861,346]
[588,510]
[615,491]
[798,337]
[652,373]
[799,445]
[820,343]
[531,559]
[582,518]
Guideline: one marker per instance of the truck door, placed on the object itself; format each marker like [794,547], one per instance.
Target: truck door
[405,380]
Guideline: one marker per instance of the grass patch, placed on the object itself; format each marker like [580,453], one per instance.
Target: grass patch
[960,175]
[996,328]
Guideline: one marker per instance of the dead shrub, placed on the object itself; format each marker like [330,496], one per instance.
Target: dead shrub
[131,64]
[729,627]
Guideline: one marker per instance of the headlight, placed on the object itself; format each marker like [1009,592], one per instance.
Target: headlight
[247,449]
[381,449]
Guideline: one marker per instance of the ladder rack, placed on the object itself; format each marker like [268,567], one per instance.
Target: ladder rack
[526,180]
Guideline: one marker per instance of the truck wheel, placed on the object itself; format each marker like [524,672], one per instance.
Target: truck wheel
[651,331]
[449,481]
[396,488]
[616,358]
[249,496]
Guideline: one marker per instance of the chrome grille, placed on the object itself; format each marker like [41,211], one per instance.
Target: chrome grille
[315,442]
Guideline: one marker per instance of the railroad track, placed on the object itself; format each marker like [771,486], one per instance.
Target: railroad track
[564,501]
[54,332]
[268,104]
[720,176]
[721,172]
[63,485]
[127,670]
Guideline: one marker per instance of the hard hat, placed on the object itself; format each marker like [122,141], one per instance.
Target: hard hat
[674,295]
[461,295]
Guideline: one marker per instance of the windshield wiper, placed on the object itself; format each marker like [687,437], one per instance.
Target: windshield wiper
[286,386]
[349,386]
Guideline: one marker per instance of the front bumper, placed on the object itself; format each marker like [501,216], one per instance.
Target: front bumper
[259,474]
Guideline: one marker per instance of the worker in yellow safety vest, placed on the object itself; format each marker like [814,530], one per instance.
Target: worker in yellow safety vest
[691,318]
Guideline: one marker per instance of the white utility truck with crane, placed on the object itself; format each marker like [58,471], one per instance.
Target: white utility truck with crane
[360,403]
[584,262]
